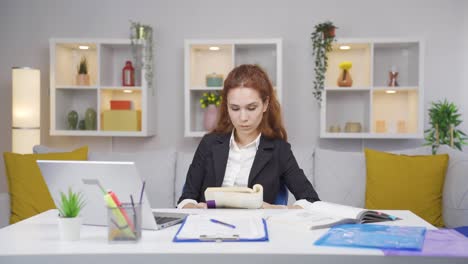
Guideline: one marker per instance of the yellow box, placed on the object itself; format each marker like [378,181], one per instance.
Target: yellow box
[121,120]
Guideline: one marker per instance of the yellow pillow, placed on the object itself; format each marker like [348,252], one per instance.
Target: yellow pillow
[28,191]
[402,182]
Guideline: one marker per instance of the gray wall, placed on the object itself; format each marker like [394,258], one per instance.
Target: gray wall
[26,26]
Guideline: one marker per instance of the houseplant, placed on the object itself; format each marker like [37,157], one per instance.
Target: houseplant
[322,39]
[444,119]
[141,34]
[210,102]
[82,78]
[69,208]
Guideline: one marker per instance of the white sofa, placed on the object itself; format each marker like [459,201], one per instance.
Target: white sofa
[338,177]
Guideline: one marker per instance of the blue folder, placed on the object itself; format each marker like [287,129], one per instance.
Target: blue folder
[374,236]
[233,238]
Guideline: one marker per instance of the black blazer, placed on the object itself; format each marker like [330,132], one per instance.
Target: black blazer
[274,165]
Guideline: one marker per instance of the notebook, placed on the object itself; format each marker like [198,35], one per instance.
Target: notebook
[324,214]
[234,197]
[219,228]
[120,177]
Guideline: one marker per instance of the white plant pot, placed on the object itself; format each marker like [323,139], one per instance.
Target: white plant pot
[69,228]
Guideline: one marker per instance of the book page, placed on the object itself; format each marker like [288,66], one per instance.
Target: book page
[246,227]
[309,219]
[337,210]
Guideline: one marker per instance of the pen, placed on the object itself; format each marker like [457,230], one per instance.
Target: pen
[222,223]
[142,190]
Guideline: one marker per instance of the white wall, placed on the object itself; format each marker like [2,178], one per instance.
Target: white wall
[26,26]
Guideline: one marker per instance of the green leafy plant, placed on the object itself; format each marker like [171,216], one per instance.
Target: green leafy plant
[70,204]
[142,36]
[322,39]
[83,66]
[444,119]
[210,98]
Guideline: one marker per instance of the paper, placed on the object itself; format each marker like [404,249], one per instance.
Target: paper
[201,226]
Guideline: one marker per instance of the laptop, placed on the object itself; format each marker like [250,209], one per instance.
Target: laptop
[120,177]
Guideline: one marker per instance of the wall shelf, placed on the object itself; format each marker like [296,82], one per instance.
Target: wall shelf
[382,111]
[106,58]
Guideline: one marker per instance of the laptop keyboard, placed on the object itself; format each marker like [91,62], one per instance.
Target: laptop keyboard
[162,219]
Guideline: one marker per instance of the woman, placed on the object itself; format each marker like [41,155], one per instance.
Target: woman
[248,145]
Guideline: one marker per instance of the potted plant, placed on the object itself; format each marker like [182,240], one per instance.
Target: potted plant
[322,38]
[70,206]
[141,36]
[210,102]
[444,119]
[82,78]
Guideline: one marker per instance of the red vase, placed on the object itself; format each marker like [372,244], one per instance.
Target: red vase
[210,117]
[128,74]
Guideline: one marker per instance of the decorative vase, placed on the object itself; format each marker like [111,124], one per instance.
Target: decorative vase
[81,124]
[72,119]
[82,79]
[90,119]
[69,228]
[210,117]
[345,80]
[392,78]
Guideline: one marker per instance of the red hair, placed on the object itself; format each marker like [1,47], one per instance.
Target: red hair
[252,76]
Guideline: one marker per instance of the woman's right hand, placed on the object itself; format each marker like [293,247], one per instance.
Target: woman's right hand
[195,206]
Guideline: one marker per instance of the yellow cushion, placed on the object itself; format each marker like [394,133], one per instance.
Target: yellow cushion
[402,182]
[28,191]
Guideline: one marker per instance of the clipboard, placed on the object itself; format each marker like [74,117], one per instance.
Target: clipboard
[233,238]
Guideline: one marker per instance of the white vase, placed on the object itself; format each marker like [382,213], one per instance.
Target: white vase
[210,117]
[69,228]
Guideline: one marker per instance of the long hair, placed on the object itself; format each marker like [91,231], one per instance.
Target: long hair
[252,76]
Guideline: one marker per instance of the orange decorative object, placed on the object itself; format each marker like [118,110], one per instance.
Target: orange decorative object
[345,80]
[380,126]
[120,105]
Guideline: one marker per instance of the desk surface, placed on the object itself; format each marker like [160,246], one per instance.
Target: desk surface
[36,239]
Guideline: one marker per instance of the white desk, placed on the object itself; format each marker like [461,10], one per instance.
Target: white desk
[36,240]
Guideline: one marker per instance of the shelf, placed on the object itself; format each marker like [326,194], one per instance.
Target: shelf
[360,56]
[204,61]
[395,113]
[404,56]
[67,58]
[76,87]
[371,135]
[383,111]
[200,61]
[206,88]
[347,89]
[106,58]
[81,133]
[113,58]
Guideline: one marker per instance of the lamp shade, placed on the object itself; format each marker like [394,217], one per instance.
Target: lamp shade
[26,103]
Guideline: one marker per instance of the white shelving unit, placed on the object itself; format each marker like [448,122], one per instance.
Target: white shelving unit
[200,61]
[106,58]
[381,110]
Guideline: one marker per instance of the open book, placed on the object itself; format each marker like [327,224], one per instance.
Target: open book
[234,197]
[323,215]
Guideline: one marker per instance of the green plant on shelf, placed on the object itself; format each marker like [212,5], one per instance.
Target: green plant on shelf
[142,34]
[70,204]
[209,98]
[322,39]
[444,120]
[83,66]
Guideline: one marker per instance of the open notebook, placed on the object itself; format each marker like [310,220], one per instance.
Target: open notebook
[323,215]
[205,228]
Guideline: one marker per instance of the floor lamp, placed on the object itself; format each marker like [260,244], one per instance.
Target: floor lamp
[26,102]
